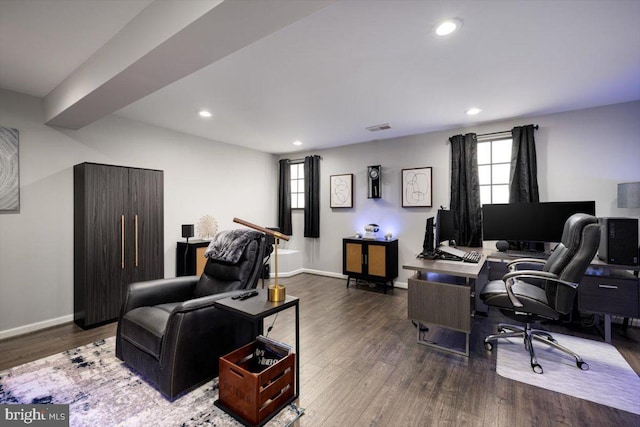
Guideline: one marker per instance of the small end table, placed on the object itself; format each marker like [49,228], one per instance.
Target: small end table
[257,309]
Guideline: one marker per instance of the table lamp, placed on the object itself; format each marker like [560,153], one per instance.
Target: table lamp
[276,292]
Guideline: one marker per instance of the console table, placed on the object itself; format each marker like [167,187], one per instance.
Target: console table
[375,260]
[442,293]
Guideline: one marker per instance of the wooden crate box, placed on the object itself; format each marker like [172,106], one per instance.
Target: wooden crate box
[255,396]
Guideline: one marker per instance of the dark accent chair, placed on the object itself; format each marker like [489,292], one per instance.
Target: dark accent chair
[532,295]
[171,333]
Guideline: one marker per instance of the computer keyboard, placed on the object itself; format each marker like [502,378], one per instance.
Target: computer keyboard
[471,256]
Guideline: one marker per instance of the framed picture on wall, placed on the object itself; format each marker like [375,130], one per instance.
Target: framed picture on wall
[416,187]
[9,170]
[341,187]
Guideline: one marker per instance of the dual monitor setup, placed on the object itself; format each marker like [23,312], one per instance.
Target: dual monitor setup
[523,225]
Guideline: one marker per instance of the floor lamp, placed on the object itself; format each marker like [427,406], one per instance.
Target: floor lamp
[277,292]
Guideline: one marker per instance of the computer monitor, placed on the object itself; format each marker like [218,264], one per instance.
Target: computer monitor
[530,222]
[445,229]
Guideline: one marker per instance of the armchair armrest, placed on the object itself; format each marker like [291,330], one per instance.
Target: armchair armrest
[154,292]
[205,301]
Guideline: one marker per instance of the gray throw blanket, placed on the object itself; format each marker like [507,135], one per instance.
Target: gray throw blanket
[228,245]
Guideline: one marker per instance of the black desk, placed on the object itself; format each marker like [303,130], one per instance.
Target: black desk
[257,309]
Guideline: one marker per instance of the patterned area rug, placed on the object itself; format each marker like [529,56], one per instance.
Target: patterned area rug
[103,391]
[609,381]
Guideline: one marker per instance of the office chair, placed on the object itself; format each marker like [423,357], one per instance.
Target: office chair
[169,329]
[532,295]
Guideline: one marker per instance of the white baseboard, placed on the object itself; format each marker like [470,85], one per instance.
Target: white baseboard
[69,318]
[20,330]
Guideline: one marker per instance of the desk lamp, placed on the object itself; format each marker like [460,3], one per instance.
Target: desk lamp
[277,292]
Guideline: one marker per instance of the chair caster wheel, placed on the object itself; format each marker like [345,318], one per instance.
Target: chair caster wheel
[536,368]
[488,346]
[583,365]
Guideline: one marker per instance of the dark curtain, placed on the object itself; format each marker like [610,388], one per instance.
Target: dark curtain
[523,182]
[284,197]
[465,190]
[312,196]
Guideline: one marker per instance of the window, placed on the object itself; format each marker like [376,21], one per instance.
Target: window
[297,185]
[494,166]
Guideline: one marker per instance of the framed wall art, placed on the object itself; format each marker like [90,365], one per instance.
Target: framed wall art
[416,187]
[341,187]
[9,170]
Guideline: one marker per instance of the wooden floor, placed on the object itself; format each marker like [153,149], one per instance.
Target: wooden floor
[361,366]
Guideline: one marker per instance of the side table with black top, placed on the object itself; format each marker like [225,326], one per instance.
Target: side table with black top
[190,259]
[257,309]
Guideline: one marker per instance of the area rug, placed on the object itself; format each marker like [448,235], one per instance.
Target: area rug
[609,381]
[103,391]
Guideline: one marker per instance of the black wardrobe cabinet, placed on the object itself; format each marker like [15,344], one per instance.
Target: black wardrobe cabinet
[118,236]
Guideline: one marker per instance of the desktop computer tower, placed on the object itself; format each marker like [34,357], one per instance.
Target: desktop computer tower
[619,241]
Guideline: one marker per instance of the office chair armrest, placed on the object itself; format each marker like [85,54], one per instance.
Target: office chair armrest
[514,264]
[510,278]
[532,274]
[551,278]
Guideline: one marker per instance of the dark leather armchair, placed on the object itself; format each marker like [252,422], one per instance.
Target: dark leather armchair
[531,295]
[171,333]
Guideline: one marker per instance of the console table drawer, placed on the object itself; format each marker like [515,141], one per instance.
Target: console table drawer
[612,295]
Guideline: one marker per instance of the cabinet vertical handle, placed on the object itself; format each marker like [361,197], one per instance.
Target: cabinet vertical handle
[122,240]
[365,259]
[136,231]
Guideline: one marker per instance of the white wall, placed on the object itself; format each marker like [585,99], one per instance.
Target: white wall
[582,155]
[36,245]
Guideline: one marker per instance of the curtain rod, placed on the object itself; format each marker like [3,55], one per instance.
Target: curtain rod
[302,159]
[497,133]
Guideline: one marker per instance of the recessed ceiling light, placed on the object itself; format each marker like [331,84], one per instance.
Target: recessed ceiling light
[448,27]
[297,143]
[205,113]
[473,111]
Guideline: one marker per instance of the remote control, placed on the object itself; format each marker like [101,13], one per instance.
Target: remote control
[248,295]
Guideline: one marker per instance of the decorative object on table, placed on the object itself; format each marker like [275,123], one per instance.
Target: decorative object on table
[416,187]
[277,292]
[388,236]
[206,227]
[375,182]
[103,391]
[371,231]
[187,231]
[9,169]
[629,195]
[341,187]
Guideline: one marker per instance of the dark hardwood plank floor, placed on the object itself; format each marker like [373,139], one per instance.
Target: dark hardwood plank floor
[361,366]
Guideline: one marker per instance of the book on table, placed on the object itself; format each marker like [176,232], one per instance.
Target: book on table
[267,353]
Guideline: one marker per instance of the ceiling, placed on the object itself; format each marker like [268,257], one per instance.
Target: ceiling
[321,72]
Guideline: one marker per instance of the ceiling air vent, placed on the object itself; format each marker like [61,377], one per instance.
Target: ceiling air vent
[376,128]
